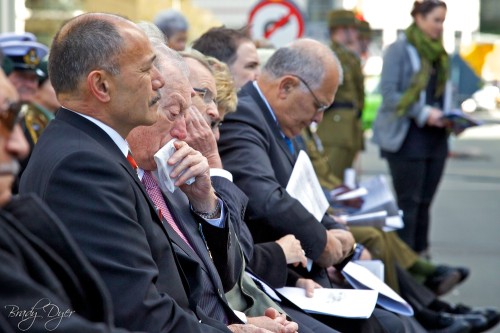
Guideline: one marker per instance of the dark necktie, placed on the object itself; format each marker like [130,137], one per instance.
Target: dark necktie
[155,194]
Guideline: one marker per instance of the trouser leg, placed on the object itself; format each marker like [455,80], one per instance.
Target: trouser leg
[408,181]
[433,173]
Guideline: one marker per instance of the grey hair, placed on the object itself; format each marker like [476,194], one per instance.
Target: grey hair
[170,22]
[300,61]
[153,32]
[198,56]
[83,44]
[164,53]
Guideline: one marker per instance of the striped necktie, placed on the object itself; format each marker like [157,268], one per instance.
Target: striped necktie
[156,196]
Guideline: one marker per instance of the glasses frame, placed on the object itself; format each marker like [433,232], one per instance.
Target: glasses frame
[320,107]
[205,96]
[10,115]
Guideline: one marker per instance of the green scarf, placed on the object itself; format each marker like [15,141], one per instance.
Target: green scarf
[430,51]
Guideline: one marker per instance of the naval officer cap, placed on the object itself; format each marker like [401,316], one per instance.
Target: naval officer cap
[22,52]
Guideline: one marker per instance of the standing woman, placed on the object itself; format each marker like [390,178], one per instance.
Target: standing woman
[409,127]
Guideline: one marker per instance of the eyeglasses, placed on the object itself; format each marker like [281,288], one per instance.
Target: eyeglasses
[9,116]
[206,95]
[319,106]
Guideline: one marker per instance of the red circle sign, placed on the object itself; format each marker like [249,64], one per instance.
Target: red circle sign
[279,21]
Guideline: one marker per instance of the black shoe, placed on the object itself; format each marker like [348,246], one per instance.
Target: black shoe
[478,323]
[449,324]
[492,315]
[445,278]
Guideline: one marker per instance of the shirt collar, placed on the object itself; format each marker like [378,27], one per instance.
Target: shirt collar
[117,139]
[268,107]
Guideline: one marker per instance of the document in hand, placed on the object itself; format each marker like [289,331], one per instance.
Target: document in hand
[304,186]
[459,121]
[348,303]
[361,278]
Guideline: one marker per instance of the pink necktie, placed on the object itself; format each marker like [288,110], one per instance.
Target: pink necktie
[155,194]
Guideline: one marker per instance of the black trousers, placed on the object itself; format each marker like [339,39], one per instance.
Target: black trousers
[415,182]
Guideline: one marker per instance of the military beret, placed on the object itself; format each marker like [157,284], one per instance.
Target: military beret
[364,29]
[24,55]
[341,18]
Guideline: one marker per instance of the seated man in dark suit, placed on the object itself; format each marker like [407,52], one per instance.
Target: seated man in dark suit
[190,238]
[103,70]
[41,268]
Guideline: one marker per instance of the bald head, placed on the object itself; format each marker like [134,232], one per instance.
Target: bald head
[299,82]
[307,58]
[85,43]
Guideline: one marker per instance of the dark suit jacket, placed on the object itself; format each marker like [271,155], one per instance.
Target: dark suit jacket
[253,150]
[83,176]
[206,240]
[40,264]
[266,260]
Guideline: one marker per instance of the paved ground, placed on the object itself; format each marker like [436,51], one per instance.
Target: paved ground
[466,213]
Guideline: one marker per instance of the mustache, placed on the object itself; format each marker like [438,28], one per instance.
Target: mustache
[10,168]
[155,99]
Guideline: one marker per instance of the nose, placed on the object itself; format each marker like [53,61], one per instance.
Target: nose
[17,145]
[157,80]
[212,111]
[256,73]
[178,129]
[318,117]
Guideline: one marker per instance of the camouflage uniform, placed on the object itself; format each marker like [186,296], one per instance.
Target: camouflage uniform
[341,129]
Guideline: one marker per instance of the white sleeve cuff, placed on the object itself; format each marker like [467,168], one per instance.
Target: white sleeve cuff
[241,316]
[215,172]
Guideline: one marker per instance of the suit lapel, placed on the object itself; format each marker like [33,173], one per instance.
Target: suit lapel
[273,125]
[186,222]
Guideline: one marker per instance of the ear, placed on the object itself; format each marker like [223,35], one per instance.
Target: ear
[98,84]
[286,85]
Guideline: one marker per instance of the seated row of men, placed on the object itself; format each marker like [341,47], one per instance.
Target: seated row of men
[123,250]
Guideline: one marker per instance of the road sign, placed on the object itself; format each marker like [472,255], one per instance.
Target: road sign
[279,21]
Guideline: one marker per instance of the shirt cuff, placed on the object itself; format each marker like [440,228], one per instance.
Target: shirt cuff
[241,316]
[215,172]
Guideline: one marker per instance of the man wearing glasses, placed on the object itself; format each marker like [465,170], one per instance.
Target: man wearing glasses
[256,145]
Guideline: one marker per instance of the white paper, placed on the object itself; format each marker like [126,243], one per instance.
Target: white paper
[162,173]
[379,197]
[374,266]
[359,192]
[375,219]
[361,278]
[304,186]
[348,303]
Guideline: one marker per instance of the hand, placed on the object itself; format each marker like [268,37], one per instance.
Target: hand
[365,255]
[332,253]
[201,137]
[293,251]
[309,286]
[190,163]
[274,321]
[335,276]
[346,239]
[435,118]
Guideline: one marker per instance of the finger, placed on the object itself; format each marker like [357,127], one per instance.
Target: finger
[271,313]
